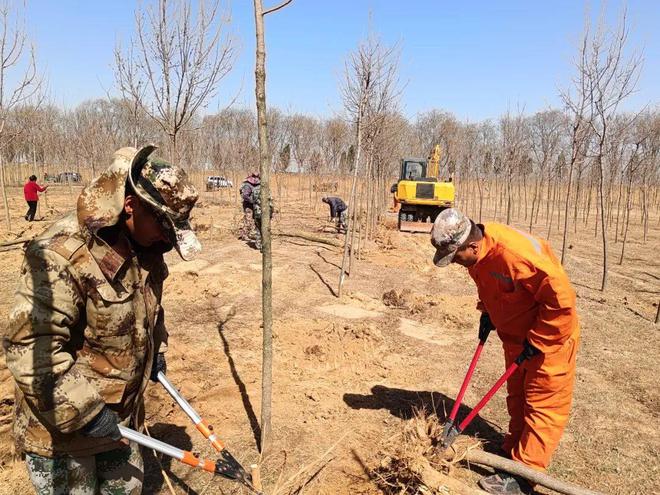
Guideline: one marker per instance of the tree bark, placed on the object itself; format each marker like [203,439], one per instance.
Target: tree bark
[566,206]
[5,201]
[603,283]
[266,257]
[626,220]
[352,203]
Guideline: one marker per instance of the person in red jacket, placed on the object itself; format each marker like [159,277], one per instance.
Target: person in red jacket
[31,192]
[526,295]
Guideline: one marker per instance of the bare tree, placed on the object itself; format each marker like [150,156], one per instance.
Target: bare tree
[173,66]
[97,131]
[20,83]
[576,100]
[546,130]
[334,141]
[370,87]
[513,133]
[610,77]
[267,261]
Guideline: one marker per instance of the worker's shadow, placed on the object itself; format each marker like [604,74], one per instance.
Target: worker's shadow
[405,403]
[153,477]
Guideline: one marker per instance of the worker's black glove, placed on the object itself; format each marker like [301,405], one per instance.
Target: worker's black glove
[529,351]
[485,326]
[104,424]
[159,365]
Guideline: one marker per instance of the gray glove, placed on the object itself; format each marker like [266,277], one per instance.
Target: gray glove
[104,424]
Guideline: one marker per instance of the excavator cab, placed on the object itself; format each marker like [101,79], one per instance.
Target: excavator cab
[413,169]
[421,195]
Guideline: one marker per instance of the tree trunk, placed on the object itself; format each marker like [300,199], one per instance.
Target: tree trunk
[367,186]
[481,198]
[352,202]
[536,477]
[603,283]
[626,220]
[266,258]
[5,201]
[566,206]
[578,180]
[508,200]
[587,210]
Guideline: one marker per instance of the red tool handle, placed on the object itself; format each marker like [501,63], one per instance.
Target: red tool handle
[468,419]
[466,380]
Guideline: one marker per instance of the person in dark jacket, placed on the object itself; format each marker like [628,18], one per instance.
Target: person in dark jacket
[338,211]
[31,192]
[246,230]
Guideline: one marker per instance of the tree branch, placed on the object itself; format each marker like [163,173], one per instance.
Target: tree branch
[277,7]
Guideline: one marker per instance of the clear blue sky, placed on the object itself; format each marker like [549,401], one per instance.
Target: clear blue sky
[475,59]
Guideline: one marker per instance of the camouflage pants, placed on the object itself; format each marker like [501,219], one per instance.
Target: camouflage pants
[246,228]
[257,232]
[116,472]
[341,221]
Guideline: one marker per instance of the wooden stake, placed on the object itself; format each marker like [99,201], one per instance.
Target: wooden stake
[255,470]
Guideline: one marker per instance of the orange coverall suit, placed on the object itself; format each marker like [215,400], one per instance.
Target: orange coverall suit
[527,294]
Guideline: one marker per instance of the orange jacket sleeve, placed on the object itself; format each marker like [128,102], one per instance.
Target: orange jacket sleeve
[556,319]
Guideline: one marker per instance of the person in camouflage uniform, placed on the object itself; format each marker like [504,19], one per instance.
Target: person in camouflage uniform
[87,330]
[257,214]
[246,230]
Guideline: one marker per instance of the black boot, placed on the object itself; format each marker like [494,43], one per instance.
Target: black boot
[505,484]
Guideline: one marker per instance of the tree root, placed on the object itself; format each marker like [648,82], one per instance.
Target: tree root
[440,482]
[16,242]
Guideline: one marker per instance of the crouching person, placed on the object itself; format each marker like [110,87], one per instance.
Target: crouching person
[86,331]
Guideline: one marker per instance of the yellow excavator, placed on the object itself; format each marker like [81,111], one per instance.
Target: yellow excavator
[421,194]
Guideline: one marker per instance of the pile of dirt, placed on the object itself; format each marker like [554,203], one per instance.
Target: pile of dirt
[406,299]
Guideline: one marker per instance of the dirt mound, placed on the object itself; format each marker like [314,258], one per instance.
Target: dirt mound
[412,302]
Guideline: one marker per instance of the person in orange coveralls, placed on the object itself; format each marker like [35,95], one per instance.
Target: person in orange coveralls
[525,294]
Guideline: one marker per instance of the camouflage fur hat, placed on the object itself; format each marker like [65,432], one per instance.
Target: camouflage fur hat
[161,185]
[450,230]
[166,188]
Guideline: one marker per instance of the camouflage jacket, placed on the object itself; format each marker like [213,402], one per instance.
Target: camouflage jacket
[256,202]
[84,327]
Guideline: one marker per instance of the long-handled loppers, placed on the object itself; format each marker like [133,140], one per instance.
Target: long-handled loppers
[226,465]
[451,431]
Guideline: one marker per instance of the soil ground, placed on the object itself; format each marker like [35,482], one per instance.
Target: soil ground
[355,369]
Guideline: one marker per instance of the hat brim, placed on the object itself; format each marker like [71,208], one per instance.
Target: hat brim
[443,257]
[185,241]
